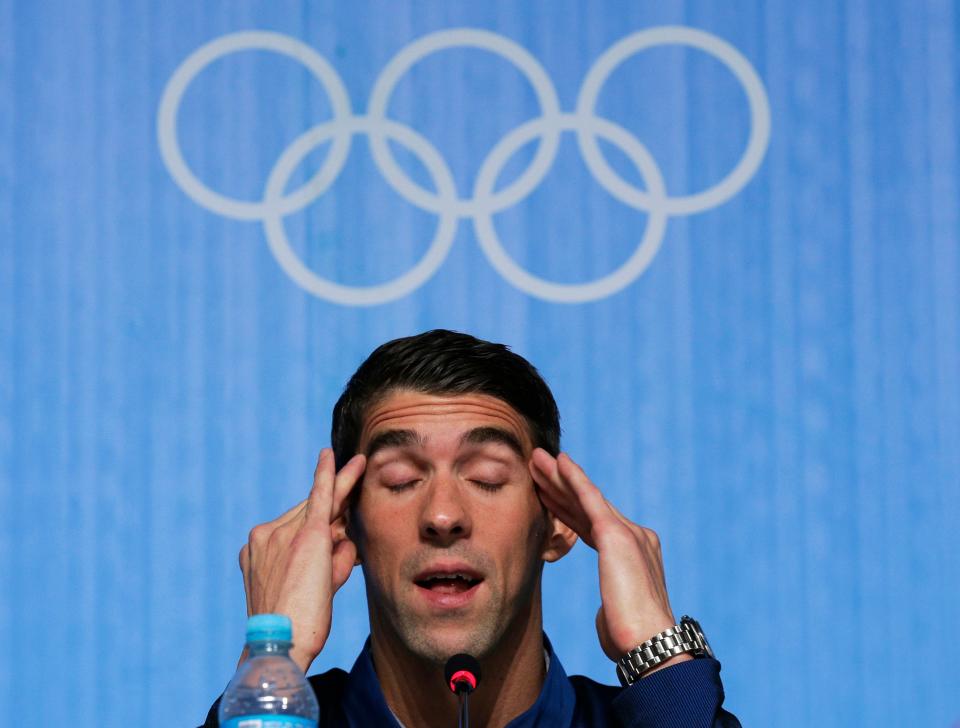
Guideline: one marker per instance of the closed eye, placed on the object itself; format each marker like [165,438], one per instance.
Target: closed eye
[397,488]
[483,485]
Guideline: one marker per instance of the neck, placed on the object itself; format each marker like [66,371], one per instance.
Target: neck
[513,675]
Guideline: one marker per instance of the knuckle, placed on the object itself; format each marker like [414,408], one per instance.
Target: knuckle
[259,534]
[277,537]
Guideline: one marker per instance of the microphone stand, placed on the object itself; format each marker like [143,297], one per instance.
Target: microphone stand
[462,674]
[464,708]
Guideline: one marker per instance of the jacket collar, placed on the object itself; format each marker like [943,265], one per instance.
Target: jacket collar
[364,704]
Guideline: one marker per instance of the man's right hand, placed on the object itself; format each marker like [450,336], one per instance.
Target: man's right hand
[295,564]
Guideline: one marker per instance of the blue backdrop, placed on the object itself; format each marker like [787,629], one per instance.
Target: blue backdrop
[727,233]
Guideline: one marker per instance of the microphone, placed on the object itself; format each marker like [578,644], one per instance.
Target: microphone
[462,673]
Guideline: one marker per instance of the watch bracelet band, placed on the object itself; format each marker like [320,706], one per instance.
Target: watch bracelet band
[686,637]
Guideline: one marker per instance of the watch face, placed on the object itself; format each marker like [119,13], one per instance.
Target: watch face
[699,632]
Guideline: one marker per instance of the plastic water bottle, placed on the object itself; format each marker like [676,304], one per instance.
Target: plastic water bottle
[269,690]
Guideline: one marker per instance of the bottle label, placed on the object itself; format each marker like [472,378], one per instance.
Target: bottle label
[270,721]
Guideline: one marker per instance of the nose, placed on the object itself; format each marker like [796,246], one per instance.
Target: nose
[445,516]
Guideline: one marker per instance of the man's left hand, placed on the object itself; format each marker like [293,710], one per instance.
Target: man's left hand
[633,592]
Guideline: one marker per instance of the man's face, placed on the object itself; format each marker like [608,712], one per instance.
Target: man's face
[452,533]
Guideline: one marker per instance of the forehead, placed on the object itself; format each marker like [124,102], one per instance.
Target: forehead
[440,414]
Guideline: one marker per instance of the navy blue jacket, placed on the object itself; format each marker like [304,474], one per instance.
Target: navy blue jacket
[685,695]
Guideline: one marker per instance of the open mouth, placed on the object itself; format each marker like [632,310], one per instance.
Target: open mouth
[448,583]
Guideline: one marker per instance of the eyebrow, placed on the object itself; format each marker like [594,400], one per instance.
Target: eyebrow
[393,438]
[482,435]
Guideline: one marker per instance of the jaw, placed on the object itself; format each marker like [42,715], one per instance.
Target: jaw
[410,650]
[430,628]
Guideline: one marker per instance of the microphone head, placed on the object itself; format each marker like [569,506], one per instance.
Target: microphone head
[462,673]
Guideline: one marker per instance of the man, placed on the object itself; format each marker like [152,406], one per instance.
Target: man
[447,486]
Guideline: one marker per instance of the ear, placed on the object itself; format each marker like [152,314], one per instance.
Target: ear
[559,540]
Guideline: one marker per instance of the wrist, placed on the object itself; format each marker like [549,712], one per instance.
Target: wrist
[302,658]
[640,632]
[683,640]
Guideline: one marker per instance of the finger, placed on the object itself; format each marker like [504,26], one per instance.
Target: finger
[245,571]
[542,480]
[572,516]
[257,540]
[543,468]
[589,496]
[564,505]
[320,500]
[262,534]
[555,478]
[558,496]
[606,524]
[345,481]
[543,463]
[577,522]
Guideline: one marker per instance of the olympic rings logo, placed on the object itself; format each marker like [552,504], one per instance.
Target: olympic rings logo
[486,200]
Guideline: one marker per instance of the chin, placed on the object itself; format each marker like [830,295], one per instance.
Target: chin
[438,643]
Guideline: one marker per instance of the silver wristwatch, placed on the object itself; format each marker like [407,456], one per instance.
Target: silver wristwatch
[686,637]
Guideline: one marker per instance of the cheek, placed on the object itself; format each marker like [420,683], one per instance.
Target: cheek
[381,530]
[520,531]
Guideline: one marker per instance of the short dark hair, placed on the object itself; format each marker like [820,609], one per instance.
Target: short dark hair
[445,362]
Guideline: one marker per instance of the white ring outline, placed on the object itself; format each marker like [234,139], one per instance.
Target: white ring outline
[198,61]
[520,58]
[723,52]
[485,201]
[607,284]
[359,295]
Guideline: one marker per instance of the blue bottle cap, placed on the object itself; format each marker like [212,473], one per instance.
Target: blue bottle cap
[269,628]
